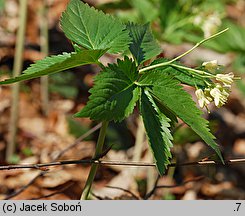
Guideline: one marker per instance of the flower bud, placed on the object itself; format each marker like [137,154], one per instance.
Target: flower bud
[211,66]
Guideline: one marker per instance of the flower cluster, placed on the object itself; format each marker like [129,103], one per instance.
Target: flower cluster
[218,91]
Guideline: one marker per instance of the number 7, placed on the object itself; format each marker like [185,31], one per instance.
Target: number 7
[238,206]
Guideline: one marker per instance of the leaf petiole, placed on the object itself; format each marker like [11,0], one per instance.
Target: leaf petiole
[194,71]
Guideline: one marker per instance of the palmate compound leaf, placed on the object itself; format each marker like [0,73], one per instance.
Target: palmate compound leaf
[54,64]
[114,94]
[157,130]
[92,29]
[169,91]
[143,46]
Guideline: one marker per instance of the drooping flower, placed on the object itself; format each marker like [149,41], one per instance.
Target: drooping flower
[220,95]
[226,79]
[203,100]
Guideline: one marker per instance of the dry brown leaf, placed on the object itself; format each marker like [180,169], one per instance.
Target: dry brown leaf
[124,180]
[35,126]
[239,147]
[55,178]
[190,195]
[211,190]
[21,179]
[31,192]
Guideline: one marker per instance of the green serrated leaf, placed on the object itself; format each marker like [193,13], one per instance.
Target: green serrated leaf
[157,130]
[93,29]
[114,93]
[182,75]
[166,111]
[54,64]
[143,45]
[169,91]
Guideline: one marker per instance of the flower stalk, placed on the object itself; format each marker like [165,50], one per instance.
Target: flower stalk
[182,55]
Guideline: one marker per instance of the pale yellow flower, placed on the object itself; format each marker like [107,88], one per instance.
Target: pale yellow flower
[198,20]
[202,99]
[208,22]
[220,95]
[211,24]
[226,79]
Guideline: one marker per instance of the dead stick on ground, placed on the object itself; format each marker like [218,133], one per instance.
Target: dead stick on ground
[118,163]
[148,195]
[32,181]
[17,192]
[81,138]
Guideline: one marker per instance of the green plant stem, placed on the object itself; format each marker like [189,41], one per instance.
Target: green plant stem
[182,55]
[18,63]
[139,140]
[151,174]
[138,149]
[193,70]
[94,167]
[45,51]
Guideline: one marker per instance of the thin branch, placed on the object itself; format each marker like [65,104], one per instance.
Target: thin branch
[97,197]
[119,163]
[150,193]
[17,192]
[199,178]
[54,193]
[81,138]
[147,196]
[43,172]
[125,190]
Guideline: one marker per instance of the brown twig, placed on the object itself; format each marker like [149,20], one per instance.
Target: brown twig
[119,163]
[147,196]
[125,190]
[81,138]
[54,193]
[96,196]
[183,183]
[150,193]
[17,192]
[43,172]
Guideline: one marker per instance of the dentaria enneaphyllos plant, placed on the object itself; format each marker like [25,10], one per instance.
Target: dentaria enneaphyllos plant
[156,88]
